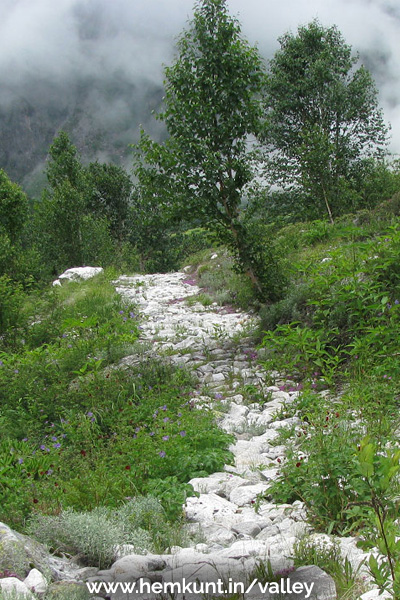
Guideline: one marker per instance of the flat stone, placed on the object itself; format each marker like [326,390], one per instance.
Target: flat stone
[324,587]
[250,528]
[208,509]
[245,494]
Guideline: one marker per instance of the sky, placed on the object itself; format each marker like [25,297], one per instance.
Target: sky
[43,41]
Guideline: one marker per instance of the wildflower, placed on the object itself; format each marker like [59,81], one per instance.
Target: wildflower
[121,312]
[43,447]
[162,454]
[1,363]
[151,433]
[90,414]
[127,468]
[20,461]
[54,438]
[57,445]
[165,438]
[182,433]
[165,419]
[164,408]
[132,315]
[49,472]
[83,452]
[35,501]
[137,429]
[16,371]
[397,302]
[25,440]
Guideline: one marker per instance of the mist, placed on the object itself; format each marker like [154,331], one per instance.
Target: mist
[106,58]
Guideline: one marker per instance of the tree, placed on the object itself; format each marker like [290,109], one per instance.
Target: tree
[212,107]
[13,207]
[323,116]
[110,190]
[64,204]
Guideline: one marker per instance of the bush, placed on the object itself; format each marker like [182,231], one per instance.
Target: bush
[92,536]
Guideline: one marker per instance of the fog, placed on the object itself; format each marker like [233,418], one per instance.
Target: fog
[47,47]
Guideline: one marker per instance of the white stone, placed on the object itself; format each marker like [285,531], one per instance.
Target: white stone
[12,585]
[210,508]
[80,273]
[247,493]
[36,582]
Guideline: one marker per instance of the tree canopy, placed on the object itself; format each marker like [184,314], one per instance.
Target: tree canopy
[323,115]
[212,110]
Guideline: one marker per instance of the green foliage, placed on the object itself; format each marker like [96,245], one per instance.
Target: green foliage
[320,468]
[11,299]
[110,192]
[13,207]
[78,435]
[92,536]
[323,117]
[377,512]
[325,554]
[83,216]
[212,106]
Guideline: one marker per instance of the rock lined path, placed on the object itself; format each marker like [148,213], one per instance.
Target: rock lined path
[214,343]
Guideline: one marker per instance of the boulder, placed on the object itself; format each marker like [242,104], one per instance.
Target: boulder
[14,586]
[78,274]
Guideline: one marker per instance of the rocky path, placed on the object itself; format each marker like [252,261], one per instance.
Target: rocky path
[239,534]
[215,343]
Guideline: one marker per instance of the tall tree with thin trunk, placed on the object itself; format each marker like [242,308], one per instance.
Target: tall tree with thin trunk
[324,118]
[213,111]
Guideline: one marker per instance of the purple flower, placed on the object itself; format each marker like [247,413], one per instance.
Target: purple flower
[137,429]
[64,335]
[16,371]
[182,433]
[121,312]
[54,439]
[151,433]
[162,454]
[134,436]
[20,461]
[165,438]
[1,363]
[43,447]
[164,408]
[218,396]
[132,315]
[49,472]
[165,419]
[397,302]
[25,440]
[90,414]
[57,445]
[125,319]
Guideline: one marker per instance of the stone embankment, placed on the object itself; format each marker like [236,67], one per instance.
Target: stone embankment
[238,532]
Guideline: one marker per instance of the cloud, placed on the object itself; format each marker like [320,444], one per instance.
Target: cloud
[47,43]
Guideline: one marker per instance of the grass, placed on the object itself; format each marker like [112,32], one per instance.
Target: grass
[79,433]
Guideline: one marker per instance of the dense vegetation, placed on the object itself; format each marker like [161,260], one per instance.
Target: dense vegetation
[288,173]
